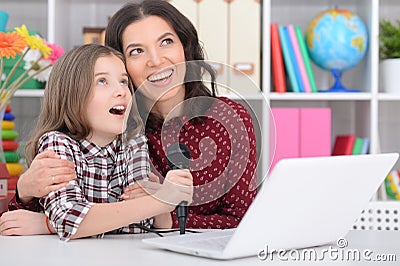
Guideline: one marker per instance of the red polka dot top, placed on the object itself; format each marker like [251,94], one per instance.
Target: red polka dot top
[223,163]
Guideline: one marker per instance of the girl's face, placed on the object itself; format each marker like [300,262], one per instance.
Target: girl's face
[110,102]
[155,59]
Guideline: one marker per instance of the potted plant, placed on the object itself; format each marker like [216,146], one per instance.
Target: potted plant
[389,53]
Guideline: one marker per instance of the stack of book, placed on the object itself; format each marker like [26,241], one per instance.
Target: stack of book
[350,145]
[290,61]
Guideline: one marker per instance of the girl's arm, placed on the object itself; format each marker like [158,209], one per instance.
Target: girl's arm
[142,189]
[177,187]
[73,216]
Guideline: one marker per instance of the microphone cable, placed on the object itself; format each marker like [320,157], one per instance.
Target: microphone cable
[160,232]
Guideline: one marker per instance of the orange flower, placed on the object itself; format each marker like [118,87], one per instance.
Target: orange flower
[11,44]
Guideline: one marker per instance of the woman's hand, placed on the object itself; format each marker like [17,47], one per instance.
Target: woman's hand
[177,187]
[23,223]
[46,173]
[145,188]
[142,188]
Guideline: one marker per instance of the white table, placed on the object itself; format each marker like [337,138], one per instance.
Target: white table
[129,250]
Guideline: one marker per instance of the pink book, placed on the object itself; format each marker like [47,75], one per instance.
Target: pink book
[315,132]
[284,134]
[299,58]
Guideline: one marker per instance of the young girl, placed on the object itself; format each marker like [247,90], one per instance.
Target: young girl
[84,119]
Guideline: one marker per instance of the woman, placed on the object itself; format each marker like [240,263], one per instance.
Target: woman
[165,62]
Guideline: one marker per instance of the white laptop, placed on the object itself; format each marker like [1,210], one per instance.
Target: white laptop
[305,202]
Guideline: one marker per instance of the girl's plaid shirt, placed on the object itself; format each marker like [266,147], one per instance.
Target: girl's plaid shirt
[102,174]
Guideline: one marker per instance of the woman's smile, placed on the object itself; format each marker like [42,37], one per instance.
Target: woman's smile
[161,78]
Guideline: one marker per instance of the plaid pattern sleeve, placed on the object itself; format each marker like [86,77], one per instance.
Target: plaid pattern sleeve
[137,160]
[138,167]
[15,204]
[65,207]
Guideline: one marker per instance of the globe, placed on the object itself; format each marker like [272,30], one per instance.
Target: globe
[337,40]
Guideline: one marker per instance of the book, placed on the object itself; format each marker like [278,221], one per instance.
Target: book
[278,70]
[306,58]
[299,58]
[315,132]
[365,147]
[293,60]
[357,146]
[343,145]
[288,60]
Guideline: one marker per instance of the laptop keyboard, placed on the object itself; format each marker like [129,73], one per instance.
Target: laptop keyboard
[217,243]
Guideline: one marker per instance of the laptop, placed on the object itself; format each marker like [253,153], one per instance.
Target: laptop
[304,202]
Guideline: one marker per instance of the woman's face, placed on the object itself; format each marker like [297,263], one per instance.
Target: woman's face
[155,59]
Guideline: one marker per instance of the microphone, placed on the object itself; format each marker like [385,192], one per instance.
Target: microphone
[178,157]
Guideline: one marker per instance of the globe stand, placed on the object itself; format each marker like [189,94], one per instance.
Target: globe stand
[338,86]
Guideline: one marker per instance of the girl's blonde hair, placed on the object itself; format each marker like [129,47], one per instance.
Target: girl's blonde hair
[67,93]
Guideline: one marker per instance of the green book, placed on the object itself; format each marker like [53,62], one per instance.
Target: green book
[358,145]
[306,58]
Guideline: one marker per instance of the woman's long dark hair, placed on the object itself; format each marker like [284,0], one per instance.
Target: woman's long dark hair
[195,67]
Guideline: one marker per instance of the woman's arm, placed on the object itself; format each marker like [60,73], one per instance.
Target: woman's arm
[48,172]
[38,181]
[24,217]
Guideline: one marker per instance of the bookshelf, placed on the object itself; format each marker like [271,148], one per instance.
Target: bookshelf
[371,113]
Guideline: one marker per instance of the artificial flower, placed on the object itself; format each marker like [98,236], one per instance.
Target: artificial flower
[56,52]
[33,64]
[33,41]
[38,56]
[43,75]
[11,44]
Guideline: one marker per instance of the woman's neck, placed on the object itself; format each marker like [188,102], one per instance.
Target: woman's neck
[170,107]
